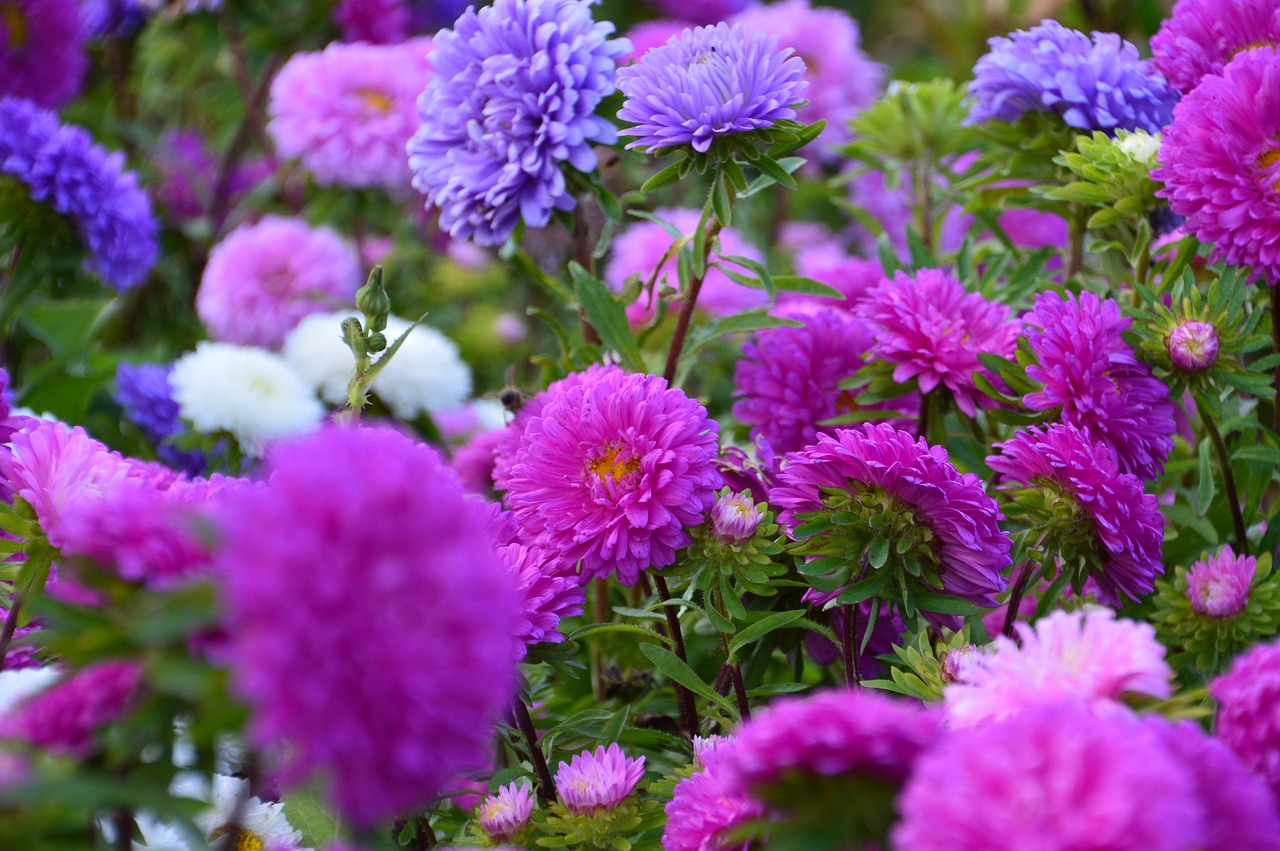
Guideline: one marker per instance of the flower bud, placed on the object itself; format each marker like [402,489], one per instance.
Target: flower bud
[375,342]
[956,661]
[373,301]
[353,336]
[1219,586]
[1141,147]
[735,518]
[1193,346]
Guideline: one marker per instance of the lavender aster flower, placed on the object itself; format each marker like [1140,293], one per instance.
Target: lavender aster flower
[735,518]
[510,102]
[1193,346]
[1093,375]
[612,473]
[1248,718]
[505,814]
[62,167]
[709,83]
[600,779]
[1201,37]
[1096,83]
[42,55]
[1220,164]
[1219,585]
[406,644]
[143,391]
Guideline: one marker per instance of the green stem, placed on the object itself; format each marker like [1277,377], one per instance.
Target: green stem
[546,786]
[688,708]
[1228,482]
[1075,257]
[690,300]
[10,626]
[1275,336]
[1015,597]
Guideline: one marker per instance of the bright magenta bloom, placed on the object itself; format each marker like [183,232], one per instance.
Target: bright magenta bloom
[600,779]
[1249,711]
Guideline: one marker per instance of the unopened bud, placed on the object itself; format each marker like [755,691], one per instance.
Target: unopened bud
[375,342]
[353,336]
[735,518]
[373,301]
[1193,346]
[956,661]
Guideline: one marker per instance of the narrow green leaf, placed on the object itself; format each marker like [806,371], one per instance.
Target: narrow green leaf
[1205,492]
[679,672]
[666,177]
[866,589]
[607,316]
[763,627]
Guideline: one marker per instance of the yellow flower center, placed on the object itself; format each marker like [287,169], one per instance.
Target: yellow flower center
[244,840]
[1253,45]
[610,464]
[493,810]
[14,23]
[376,101]
[1268,158]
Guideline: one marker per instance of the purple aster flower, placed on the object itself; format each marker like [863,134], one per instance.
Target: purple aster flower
[1096,83]
[188,173]
[406,644]
[613,471]
[705,805]
[1056,777]
[143,391]
[1248,718]
[934,330]
[510,102]
[917,480]
[347,112]
[600,779]
[263,279]
[817,254]
[1219,585]
[505,814]
[1193,346]
[1201,36]
[63,168]
[735,518]
[788,381]
[1093,375]
[112,18]
[373,21]
[547,595]
[42,55]
[1220,164]
[708,83]
[1123,520]
[699,11]
[474,461]
[65,717]
[842,79]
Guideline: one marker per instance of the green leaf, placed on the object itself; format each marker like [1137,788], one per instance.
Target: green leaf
[1267,454]
[607,316]
[879,551]
[808,286]
[946,604]
[771,169]
[666,177]
[721,201]
[763,627]
[1205,493]
[866,589]
[679,672]
[598,628]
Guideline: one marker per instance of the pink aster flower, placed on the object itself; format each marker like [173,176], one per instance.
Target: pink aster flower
[704,805]
[640,247]
[934,331]
[613,472]
[405,644]
[474,461]
[505,814]
[547,594]
[647,35]
[1249,711]
[971,548]
[1219,585]
[1220,164]
[1056,777]
[348,111]
[65,717]
[1200,37]
[1093,375]
[1085,656]
[600,779]
[817,254]
[262,280]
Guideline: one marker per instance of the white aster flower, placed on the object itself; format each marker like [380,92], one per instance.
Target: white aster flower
[316,351]
[427,373]
[22,683]
[251,393]
[264,824]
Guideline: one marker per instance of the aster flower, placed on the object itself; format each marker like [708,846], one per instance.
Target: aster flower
[1248,719]
[788,381]
[1200,37]
[260,824]
[474,462]
[817,254]
[65,717]
[735,518]
[348,111]
[699,11]
[112,18]
[1218,587]
[842,79]
[1053,777]
[143,391]
[934,331]
[373,21]
[316,351]
[505,814]
[1218,163]
[599,779]
[188,171]
[705,805]
[511,101]
[1193,346]
[413,590]
[1088,507]
[42,56]
[1096,83]
[426,375]
[251,393]
[1086,656]
[708,84]
[1091,374]
[942,532]
[612,472]
[62,167]
[262,279]
[547,595]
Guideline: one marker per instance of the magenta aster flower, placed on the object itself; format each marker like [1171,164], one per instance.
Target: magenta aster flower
[42,56]
[1093,375]
[1219,585]
[348,111]
[934,331]
[65,717]
[600,779]
[373,21]
[705,805]
[1086,656]
[919,482]
[475,459]
[547,595]
[262,280]
[699,11]
[612,473]
[505,814]
[1248,718]
[817,254]
[1201,37]
[1125,529]
[412,592]
[1056,777]
[1220,164]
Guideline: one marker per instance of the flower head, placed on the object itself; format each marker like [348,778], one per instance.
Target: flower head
[42,56]
[510,102]
[600,779]
[65,717]
[144,392]
[1219,585]
[63,168]
[735,518]
[1248,718]
[1201,37]
[613,471]
[348,111]
[1220,164]
[426,375]
[1193,346]
[547,594]
[1086,656]
[505,814]
[707,84]
[934,331]
[412,592]
[1096,83]
[705,805]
